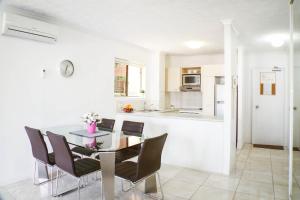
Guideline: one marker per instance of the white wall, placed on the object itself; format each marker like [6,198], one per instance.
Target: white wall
[27,99]
[259,59]
[195,60]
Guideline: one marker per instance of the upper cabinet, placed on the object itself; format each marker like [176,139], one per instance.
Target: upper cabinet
[173,79]
[212,70]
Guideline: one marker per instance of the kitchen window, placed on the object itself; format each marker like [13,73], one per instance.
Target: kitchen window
[130,79]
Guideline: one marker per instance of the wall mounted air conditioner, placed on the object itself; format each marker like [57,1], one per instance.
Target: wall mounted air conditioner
[24,27]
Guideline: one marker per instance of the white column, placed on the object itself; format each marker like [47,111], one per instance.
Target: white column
[291,98]
[155,91]
[241,96]
[230,96]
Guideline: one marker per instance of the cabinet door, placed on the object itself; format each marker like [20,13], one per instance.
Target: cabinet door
[174,80]
[208,95]
[212,70]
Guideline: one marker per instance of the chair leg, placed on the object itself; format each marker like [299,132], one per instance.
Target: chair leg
[57,177]
[51,176]
[34,172]
[160,185]
[123,189]
[78,189]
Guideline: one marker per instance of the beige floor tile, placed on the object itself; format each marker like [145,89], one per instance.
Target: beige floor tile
[192,176]
[169,171]
[243,196]
[259,166]
[240,165]
[279,170]
[237,173]
[180,189]
[211,193]
[281,191]
[243,156]
[297,179]
[281,179]
[264,177]
[222,182]
[256,188]
[172,197]
[247,146]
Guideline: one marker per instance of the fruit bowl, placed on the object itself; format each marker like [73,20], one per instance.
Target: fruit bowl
[128,108]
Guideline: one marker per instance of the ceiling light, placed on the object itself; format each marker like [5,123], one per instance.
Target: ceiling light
[194,44]
[276,40]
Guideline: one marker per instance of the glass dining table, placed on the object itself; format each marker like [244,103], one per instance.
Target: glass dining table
[105,144]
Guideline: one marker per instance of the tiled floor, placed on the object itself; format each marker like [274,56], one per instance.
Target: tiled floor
[259,174]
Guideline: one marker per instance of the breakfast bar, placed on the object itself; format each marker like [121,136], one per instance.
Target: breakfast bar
[195,141]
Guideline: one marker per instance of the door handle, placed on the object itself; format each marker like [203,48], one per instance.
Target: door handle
[295,108]
[257,107]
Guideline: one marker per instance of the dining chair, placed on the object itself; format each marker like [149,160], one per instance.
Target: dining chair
[105,125]
[41,154]
[148,164]
[132,129]
[79,169]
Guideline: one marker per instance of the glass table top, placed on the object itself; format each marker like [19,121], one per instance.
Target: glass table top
[100,141]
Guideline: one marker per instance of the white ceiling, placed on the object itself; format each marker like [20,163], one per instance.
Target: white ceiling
[164,25]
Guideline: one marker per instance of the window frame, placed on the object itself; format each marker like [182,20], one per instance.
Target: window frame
[128,64]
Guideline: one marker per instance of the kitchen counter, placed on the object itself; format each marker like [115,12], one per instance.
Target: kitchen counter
[194,141]
[175,114]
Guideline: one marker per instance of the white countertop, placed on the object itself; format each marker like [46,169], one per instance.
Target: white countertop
[174,114]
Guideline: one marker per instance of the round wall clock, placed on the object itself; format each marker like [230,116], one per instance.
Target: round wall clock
[66,68]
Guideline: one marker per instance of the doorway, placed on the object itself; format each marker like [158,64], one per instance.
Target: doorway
[268,103]
[296,138]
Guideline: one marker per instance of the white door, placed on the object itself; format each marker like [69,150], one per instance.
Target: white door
[297,107]
[268,107]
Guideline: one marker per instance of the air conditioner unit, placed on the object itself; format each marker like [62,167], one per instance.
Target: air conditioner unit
[23,27]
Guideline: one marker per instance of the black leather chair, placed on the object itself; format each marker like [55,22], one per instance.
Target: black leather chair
[133,129]
[63,156]
[105,125]
[40,153]
[149,162]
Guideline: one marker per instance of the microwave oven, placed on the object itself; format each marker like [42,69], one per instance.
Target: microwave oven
[191,80]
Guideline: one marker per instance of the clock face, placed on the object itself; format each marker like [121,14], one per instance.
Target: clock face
[66,68]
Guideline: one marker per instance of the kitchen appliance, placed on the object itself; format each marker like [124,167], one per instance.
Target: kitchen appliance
[219,100]
[191,82]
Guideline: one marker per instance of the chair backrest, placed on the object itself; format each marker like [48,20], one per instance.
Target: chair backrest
[149,160]
[38,145]
[133,128]
[62,152]
[106,124]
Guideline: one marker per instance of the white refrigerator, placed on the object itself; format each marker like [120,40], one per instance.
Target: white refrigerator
[219,100]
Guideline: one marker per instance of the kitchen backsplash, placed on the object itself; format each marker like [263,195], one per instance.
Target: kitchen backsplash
[185,99]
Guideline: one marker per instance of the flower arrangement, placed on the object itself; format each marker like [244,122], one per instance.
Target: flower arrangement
[128,108]
[90,118]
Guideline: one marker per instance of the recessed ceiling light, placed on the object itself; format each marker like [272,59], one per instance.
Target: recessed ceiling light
[193,44]
[276,40]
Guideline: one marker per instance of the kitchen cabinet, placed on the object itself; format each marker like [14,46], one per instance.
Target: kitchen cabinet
[208,81]
[208,95]
[212,70]
[173,79]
